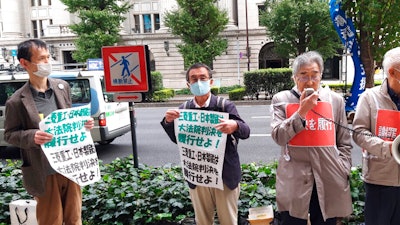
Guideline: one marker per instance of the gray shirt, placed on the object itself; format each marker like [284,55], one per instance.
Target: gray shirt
[46,104]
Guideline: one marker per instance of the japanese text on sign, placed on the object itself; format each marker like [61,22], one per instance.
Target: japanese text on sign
[387,124]
[71,152]
[321,129]
[201,146]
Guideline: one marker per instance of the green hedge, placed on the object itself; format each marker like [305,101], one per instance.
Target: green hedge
[156,86]
[163,95]
[157,195]
[237,94]
[340,86]
[269,80]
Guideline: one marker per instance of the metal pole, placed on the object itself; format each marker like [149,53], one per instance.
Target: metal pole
[247,40]
[133,135]
[238,57]
[345,75]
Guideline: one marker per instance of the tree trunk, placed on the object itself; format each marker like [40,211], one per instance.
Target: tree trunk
[367,58]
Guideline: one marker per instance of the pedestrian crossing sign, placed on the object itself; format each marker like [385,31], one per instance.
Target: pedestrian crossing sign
[126,68]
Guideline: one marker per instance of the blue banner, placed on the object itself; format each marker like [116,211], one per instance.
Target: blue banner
[347,33]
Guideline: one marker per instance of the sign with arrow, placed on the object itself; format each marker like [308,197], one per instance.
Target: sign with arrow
[126,68]
[127,97]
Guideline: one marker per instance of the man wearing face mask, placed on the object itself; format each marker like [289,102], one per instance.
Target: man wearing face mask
[205,199]
[59,200]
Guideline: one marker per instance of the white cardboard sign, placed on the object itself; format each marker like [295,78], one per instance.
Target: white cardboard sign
[71,152]
[201,146]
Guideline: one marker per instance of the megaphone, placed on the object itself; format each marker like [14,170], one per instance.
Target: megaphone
[396,149]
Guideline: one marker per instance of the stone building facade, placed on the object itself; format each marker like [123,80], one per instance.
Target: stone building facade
[49,20]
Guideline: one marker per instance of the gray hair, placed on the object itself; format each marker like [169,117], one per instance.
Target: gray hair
[391,59]
[197,66]
[306,59]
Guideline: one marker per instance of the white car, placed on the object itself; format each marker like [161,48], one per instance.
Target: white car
[112,119]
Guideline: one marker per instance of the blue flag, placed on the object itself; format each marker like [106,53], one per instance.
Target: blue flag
[347,33]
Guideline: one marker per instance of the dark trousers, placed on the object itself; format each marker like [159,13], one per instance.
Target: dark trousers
[315,214]
[382,205]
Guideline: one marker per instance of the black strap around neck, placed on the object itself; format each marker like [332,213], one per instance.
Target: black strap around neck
[295,93]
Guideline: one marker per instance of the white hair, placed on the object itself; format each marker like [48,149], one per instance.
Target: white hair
[391,59]
[306,59]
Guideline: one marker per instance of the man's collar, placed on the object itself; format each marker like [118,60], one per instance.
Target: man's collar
[207,103]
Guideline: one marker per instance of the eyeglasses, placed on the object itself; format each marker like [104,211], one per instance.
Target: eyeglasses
[195,79]
[398,70]
[307,78]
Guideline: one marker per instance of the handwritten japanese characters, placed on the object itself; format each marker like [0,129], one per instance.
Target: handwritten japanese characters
[71,152]
[201,146]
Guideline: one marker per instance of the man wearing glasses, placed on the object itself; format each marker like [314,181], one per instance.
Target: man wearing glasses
[313,171]
[376,124]
[205,199]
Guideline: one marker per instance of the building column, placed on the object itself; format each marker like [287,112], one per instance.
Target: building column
[231,8]
[164,6]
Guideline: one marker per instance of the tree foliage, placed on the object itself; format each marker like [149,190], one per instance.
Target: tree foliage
[99,25]
[198,24]
[379,30]
[297,26]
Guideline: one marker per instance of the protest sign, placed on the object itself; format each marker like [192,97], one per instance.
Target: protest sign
[71,152]
[201,146]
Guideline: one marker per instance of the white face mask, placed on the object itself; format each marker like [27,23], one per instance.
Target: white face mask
[200,88]
[44,69]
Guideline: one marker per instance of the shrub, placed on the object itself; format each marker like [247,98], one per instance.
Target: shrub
[11,188]
[215,90]
[163,95]
[340,86]
[156,85]
[184,91]
[269,80]
[237,94]
[158,195]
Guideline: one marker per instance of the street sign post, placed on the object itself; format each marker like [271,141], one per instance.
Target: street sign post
[126,68]
[127,74]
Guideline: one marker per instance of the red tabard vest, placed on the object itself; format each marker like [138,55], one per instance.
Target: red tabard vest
[319,132]
[387,124]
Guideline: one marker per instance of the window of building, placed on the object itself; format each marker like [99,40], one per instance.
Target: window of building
[156,21]
[136,28]
[35,29]
[261,9]
[32,2]
[146,23]
[41,27]
[38,27]
[44,3]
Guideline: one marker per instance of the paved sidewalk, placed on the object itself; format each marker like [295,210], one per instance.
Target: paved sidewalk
[178,99]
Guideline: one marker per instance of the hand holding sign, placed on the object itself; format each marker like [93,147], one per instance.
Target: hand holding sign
[227,126]
[42,137]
